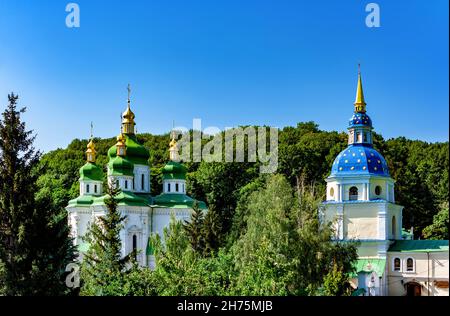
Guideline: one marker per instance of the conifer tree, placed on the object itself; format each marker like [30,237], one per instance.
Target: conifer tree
[34,243]
[194,229]
[103,271]
[212,232]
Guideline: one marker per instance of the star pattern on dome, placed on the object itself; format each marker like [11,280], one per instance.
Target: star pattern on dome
[349,162]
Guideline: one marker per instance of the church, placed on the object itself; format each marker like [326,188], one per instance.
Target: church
[129,170]
[360,203]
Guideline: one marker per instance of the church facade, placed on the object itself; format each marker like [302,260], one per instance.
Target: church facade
[128,169]
[360,202]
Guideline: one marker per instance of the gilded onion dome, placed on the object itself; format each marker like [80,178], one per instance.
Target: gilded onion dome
[90,171]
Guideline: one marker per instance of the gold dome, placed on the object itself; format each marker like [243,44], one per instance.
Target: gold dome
[121,147]
[128,116]
[90,152]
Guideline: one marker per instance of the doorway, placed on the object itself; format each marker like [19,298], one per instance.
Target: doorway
[413,289]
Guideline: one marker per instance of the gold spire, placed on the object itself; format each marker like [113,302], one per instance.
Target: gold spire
[360,104]
[90,152]
[128,116]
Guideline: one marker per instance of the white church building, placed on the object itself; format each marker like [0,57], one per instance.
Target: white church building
[128,168]
[360,202]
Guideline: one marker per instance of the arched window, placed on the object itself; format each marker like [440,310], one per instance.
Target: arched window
[359,137]
[353,194]
[134,245]
[176,187]
[142,181]
[394,227]
[377,190]
[126,184]
[117,183]
[95,188]
[410,264]
[397,264]
[87,188]
[168,187]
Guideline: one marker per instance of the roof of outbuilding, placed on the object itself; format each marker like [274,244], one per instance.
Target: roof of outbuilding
[419,246]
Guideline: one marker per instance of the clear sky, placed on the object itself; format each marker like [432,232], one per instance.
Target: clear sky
[227,62]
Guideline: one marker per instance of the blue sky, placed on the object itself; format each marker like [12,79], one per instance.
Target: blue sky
[227,62]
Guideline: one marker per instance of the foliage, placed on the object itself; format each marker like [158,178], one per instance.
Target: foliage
[34,243]
[104,271]
[439,228]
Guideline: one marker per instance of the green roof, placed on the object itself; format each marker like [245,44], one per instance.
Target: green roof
[369,265]
[124,198]
[119,166]
[174,170]
[174,200]
[135,152]
[85,200]
[419,246]
[358,292]
[90,171]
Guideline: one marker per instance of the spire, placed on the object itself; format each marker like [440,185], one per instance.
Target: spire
[90,152]
[173,148]
[360,104]
[128,116]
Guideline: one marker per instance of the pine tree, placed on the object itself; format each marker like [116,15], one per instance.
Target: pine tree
[194,229]
[212,232]
[34,243]
[103,271]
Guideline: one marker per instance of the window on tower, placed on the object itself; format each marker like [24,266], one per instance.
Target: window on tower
[397,264]
[353,194]
[87,188]
[176,187]
[168,187]
[95,188]
[126,184]
[142,181]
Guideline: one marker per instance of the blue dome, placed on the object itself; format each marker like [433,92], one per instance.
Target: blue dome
[360,119]
[359,159]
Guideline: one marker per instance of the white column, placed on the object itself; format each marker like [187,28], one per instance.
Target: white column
[382,222]
[340,217]
[387,191]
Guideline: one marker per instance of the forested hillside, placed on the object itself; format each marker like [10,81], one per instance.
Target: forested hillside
[306,153]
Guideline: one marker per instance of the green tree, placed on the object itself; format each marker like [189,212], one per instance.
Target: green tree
[335,283]
[194,228]
[285,250]
[439,228]
[104,270]
[34,243]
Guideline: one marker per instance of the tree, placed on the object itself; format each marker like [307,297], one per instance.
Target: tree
[439,228]
[34,243]
[104,270]
[285,250]
[335,283]
[194,229]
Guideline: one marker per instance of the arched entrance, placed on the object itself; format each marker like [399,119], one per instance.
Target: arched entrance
[413,289]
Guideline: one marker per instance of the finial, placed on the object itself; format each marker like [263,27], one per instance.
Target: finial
[360,104]
[129,94]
